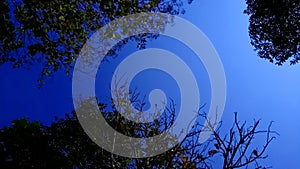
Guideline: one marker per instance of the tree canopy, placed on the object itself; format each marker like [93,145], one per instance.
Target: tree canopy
[53,32]
[275,29]
[26,145]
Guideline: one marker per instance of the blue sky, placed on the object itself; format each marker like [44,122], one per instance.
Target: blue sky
[256,89]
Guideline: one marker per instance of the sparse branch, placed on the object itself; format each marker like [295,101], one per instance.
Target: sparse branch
[235,148]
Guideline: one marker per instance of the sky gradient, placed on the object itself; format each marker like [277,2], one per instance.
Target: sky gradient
[256,89]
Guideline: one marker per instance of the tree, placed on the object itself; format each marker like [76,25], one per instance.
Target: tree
[236,147]
[53,32]
[275,29]
[25,145]
[64,144]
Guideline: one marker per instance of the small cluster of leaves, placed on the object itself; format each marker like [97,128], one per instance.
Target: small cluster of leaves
[275,29]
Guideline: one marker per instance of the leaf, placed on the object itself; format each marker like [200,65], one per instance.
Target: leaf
[212,152]
[184,159]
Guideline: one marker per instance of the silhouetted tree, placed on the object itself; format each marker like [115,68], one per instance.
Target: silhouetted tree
[275,29]
[64,144]
[236,148]
[26,145]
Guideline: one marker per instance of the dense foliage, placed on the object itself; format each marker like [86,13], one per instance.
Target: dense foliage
[53,32]
[275,29]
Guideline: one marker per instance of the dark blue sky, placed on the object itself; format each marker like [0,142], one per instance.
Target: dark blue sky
[256,89]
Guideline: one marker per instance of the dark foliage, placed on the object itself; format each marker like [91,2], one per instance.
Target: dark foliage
[64,144]
[275,29]
[53,32]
